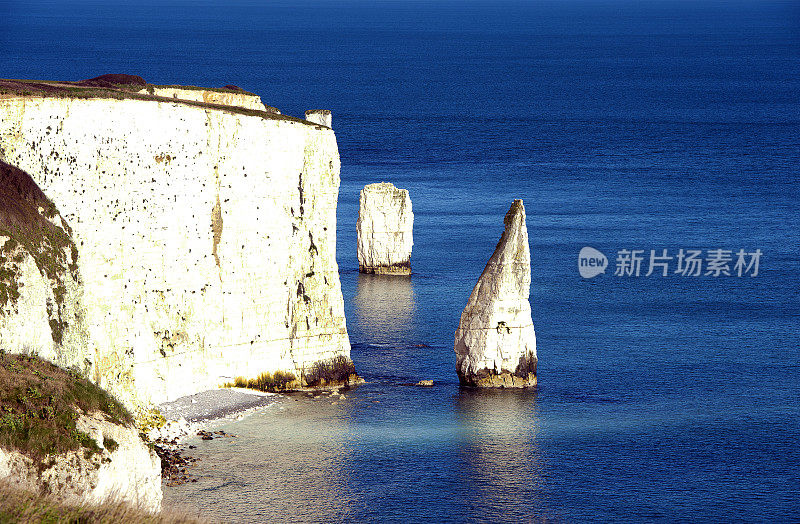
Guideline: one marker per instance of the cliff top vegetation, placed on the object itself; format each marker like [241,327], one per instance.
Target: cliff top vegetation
[128,87]
[40,404]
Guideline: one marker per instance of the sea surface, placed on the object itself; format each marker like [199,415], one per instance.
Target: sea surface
[623,126]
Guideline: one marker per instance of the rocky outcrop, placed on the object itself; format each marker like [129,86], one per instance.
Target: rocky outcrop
[39,279]
[319,116]
[191,244]
[385,230]
[495,343]
[122,469]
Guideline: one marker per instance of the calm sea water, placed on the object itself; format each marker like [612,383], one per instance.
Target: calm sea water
[622,125]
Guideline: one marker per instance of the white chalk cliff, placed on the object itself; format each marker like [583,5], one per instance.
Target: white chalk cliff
[210,96]
[129,472]
[319,116]
[495,342]
[193,244]
[385,230]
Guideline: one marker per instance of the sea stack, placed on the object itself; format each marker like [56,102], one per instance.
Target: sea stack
[385,224]
[319,116]
[495,342]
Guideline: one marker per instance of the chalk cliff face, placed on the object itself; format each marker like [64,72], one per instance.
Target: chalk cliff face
[210,96]
[385,230]
[193,244]
[130,472]
[39,280]
[495,343]
[319,116]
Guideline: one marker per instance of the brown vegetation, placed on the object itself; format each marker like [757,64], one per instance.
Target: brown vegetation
[336,371]
[112,80]
[25,507]
[278,381]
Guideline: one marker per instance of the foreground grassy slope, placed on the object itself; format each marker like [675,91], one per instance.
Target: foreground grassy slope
[40,404]
[24,507]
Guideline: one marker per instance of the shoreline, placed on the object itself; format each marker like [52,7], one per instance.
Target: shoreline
[207,406]
[198,415]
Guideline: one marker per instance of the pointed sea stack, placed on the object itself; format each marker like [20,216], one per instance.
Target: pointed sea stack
[385,225]
[495,342]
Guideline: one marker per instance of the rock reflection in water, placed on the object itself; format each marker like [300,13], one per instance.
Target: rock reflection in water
[279,468]
[500,459]
[384,307]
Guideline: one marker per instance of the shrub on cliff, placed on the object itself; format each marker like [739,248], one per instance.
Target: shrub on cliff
[40,404]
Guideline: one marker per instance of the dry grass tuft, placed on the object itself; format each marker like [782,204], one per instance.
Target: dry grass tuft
[278,381]
[25,507]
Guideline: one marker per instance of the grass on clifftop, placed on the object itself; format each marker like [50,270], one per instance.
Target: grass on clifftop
[60,89]
[24,507]
[39,405]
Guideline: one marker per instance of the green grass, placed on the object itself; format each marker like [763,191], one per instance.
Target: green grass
[36,234]
[40,403]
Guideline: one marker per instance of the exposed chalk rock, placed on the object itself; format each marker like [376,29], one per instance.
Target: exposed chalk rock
[495,343]
[130,472]
[241,99]
[319,116]
[39,282]
[385,224]
[177,246]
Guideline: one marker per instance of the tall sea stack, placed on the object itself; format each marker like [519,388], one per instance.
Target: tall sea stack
[385,224]
[495,342]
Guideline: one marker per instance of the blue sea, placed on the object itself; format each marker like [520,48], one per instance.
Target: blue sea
[666,125]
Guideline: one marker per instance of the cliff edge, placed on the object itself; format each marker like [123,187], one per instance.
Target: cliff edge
[193,242]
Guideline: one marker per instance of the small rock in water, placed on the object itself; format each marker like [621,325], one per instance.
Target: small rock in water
[424,383]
